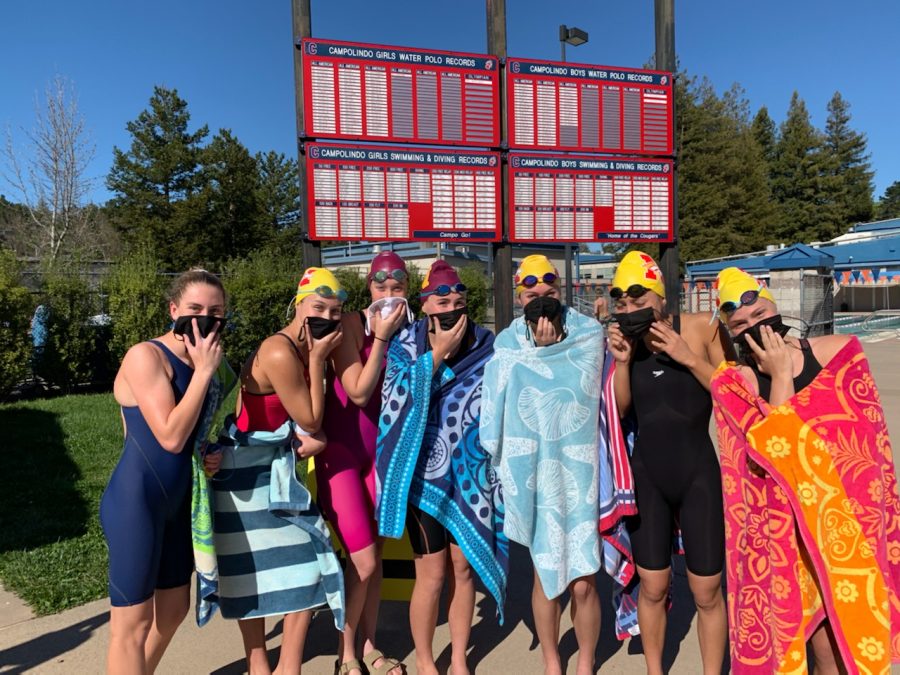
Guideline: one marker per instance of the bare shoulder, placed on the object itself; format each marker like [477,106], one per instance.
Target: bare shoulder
[143,366]
[277,349]
[144,356]
[826,347]
[701,324]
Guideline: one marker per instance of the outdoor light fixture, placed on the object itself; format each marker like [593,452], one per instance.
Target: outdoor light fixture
[574,36]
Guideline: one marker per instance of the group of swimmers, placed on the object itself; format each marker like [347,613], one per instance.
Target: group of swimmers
[585,441]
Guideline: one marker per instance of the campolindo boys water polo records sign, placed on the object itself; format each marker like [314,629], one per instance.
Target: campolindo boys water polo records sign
[577,198]
[368,92]
[402,193]
[567,106]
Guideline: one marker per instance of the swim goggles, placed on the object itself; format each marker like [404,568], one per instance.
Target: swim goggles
[329,292]
[383,275]
[533,280]
[445,289]
[747,298]
[633,291]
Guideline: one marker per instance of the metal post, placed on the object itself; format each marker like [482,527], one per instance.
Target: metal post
[300,13]
[567,250]
[502,252]
[664,15]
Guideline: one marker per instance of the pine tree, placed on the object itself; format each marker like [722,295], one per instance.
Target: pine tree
[159,200]
[796,175]
[766,133]
[849,177]
[889,205]
[724,203]
[237,222]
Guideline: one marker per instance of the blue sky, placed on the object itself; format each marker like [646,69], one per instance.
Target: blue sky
[232,60]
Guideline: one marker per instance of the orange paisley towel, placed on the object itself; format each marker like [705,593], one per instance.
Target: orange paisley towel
[819,535]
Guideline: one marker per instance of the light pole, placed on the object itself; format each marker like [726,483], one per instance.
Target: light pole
[573,36]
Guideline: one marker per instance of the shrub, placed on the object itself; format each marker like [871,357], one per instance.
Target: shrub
[77,337]
[260,288]
[357,290]
[136,300]
[477,296]
[16,306]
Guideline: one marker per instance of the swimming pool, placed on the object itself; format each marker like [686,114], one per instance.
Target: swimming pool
[859,324]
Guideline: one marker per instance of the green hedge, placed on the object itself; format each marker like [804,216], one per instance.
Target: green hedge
[16,309]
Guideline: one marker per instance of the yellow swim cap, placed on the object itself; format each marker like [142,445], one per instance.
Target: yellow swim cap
[639,269]
[319,281]
[732,283]
[534,270]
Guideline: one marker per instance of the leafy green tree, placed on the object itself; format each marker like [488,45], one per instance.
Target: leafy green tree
[136,304]
[476,281]
[237,222]
[848,176]
[157,184]
[724,202]
[889,206]
[16,307]
[796,175]
[260,289]
[357,289]
[279,194]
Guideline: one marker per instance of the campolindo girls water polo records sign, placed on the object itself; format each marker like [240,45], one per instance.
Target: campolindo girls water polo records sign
[583,108]
[369,92]
[600,199]
[402,193]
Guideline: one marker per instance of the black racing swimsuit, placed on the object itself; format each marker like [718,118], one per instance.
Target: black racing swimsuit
[676,471]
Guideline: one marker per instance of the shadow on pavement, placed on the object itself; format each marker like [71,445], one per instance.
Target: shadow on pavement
[34,653]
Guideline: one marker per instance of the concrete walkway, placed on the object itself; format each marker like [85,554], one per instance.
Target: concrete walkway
[75,641]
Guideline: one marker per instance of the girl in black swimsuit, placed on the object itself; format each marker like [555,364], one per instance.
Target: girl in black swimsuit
[662,376]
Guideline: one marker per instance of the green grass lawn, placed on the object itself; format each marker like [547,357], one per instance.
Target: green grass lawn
[57,457]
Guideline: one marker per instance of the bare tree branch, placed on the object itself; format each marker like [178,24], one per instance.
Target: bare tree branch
[50,175]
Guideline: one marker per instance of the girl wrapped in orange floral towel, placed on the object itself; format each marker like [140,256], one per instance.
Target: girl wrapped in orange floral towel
[812,514]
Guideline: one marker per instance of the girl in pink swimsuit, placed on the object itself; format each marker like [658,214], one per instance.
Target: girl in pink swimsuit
[346,468]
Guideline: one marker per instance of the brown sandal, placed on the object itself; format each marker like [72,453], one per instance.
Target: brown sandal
[387,664]
[347,666]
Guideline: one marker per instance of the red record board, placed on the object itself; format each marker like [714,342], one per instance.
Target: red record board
[554,106]
[368,92]
[405,193]
[575,198]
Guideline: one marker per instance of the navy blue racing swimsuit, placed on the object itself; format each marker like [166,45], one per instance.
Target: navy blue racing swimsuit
[146,508]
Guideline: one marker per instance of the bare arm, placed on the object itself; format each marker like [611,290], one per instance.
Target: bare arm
[286,372]
[143,370]
[621,350]
[358,379]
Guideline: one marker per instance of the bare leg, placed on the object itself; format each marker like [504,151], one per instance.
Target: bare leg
[253,632]
[170,606]
[712,622]
[128,631]
[586,619]
[825,652]
[423,607]
[652,597]
[359,572]
[293,638]
[546,624]
[461,610]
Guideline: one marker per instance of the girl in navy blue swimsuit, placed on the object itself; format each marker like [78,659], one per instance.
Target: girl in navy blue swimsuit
[145,511]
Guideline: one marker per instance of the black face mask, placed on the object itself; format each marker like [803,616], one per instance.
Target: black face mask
[205,324]
[448,319]
[755,332]
[319,327]
[637,324]
[547,307]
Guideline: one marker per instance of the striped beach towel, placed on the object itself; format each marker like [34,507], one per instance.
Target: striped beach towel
[273,548]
